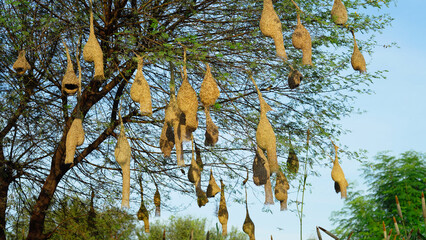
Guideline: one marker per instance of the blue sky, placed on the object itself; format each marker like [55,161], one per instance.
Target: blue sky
[394,120]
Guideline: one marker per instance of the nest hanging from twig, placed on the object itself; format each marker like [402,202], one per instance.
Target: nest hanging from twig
[301,39]
[357,59]
[269,198]
[140,91]
[209,91]
[281,188]
[261,171]
[212,131]
[270,26]
[143,213]
[294,79]
[157,203]
[212,188]
[92,51]
[265,136]
[201,195]
[223,211]
[292,161]
[75,137]
[122,156]
[21,64]
[187,101]
[248,226]
[70,83]
[339,14]
[340,183]
[167,140]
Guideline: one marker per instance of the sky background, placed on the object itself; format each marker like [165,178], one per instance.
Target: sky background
[394,120]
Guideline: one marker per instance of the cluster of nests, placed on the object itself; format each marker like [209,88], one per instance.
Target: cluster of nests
[181,118]
[270,26]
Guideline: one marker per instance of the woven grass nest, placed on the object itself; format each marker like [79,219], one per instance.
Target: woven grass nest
[188,103]
[357,59]
[209,91]
[167,140]
[223,211]
[261,172]
[212,188]
[157,203]
[294,79]
[198,159]
[172,118]
[301,39]
[248,226]
[194,172]
[265,136]
[21,64]
[75,137]
[270,26]
[201,195]
[143,213]
[339,14]
[292,161]
[70,83]
[92,51]
[280,190]
[269,197]
[122,156]
[212,131]
[340,183]
[140,91]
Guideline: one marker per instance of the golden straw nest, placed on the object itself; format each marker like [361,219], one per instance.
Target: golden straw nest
[21,64]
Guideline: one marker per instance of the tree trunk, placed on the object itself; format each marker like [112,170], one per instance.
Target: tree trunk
[57,171]
[5,180]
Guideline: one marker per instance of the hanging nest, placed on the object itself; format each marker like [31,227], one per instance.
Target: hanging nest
[75,137]
[292,161]
[265,136]
[223,211]
[340,183]
[167,140]
[261,171]
[188,103]
[270,26]
[209,91]
[301,39]
[143,213]
[294,79]
[185,131]
[212,131]
[201,195]
[269,198]
[339,14]
[357,59]
[281,188]
[248,226]
[92,51]
[212,188]
[70,83]
[194,171]
[21,64]
[122,156]
[198,159]
[157,203]
[140,91]
[172,118]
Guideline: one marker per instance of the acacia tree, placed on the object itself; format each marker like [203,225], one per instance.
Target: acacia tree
[36,116]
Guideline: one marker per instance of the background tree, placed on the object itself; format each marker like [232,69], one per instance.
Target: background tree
[35,116]
[387,176]
[181,227]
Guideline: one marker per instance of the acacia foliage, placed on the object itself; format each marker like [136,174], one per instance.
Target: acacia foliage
[387,176]
[35,116]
